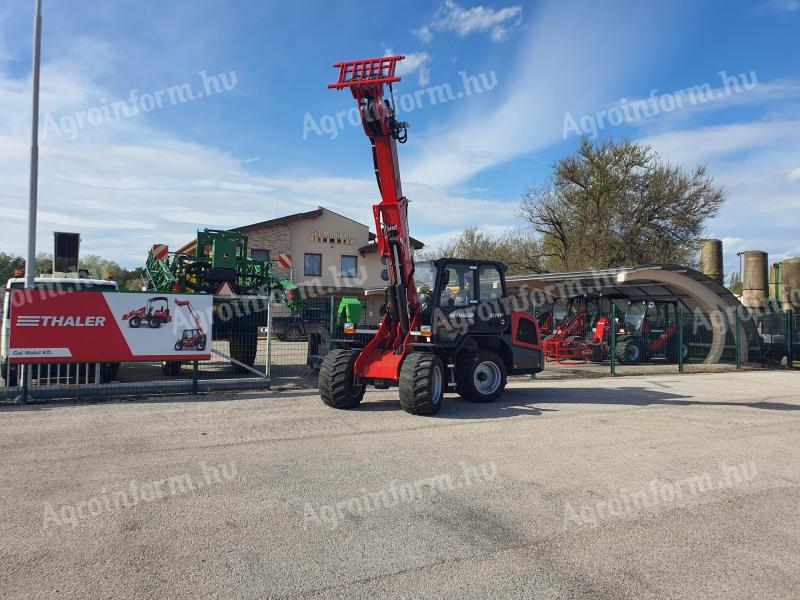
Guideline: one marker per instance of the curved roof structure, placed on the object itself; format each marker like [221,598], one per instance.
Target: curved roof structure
[695,291]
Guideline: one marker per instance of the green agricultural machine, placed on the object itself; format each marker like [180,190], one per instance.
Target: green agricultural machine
[242,287]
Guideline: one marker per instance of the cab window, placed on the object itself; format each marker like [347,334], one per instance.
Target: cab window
[526,332]
[491,286]
[460,287]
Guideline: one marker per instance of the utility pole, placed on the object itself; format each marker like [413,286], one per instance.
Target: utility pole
[30,261]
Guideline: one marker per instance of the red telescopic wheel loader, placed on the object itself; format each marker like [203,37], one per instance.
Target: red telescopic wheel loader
[155,312]
[191,338]
[447,324]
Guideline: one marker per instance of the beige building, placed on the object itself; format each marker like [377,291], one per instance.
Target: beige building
[331,255]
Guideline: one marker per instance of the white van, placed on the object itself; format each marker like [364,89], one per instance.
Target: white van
[9,371]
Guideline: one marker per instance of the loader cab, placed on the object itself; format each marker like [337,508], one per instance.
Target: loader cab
[158,306]
[650,329]
[461,296]
[647,317]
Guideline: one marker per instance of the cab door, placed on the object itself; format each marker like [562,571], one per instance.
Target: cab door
[492,312]
[470,300]
[456,301]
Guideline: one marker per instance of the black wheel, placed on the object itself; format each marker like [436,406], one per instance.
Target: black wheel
[337,386]
[201,344]
[630,351]
[422,383]
[243,350]
[293,334]
[480,376]
[179,345]
[598,353]
[171,368]
[672,354]
[135,321]
[155,322]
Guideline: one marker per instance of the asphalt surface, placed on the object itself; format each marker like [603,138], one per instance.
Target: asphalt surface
[659,486]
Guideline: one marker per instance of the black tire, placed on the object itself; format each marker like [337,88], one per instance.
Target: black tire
[293,334]
[480,376]
[672,354]
[171,368]
[179,345]
[337,387]
[155,322]
[243,350]
[599,353]
[135,321]
[422,383]
[201,345]
[630,351]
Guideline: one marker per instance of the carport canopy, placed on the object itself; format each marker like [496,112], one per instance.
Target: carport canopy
[691,289]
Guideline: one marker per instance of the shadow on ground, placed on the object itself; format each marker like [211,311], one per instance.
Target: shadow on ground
[514,401]
[529,401]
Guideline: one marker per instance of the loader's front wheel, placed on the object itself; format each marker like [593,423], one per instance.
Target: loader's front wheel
[630,351]
[338,388]
[422,383]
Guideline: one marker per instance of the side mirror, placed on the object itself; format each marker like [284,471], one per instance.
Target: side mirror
[385,275]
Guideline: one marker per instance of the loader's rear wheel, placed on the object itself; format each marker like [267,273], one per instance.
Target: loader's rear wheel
[337,386]
[422,383]
[155,322]
[599,353]
[481,376]
[672,353]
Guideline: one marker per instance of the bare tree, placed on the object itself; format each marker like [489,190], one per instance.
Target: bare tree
[610,205]
[518,250]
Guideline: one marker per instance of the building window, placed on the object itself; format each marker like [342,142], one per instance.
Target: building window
[349,266]
[313,265]
[259,254]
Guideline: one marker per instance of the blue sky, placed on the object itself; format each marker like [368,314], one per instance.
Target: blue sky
[263,141]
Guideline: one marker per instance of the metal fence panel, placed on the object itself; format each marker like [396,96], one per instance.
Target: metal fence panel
[288,350]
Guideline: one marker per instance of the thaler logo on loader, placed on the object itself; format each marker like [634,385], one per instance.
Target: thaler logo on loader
[60,321]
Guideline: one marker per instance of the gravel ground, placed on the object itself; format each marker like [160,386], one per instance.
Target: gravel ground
[657,486]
